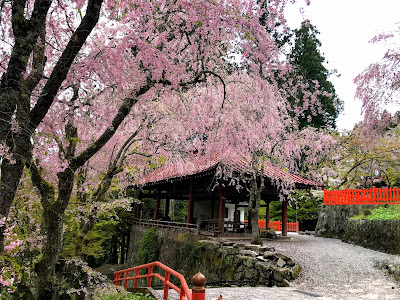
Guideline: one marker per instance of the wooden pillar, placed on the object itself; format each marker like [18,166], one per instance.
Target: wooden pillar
[139,206]
[166,213]
[189,218]
[267,215]
[235,219]
[157,208]
[284,217]
[236,216]
[221,209]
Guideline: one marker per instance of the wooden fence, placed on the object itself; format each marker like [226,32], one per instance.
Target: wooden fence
[166,224]
[364,196]
[277,225]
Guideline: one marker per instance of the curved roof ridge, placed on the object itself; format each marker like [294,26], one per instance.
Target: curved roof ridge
[197,164]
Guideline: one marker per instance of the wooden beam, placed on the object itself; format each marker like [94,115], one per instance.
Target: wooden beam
[221,210]
[284,217]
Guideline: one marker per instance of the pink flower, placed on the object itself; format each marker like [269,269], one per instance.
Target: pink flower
[13,245]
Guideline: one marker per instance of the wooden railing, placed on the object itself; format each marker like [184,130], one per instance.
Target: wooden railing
[277,225]
[166,224]
[364,196]
[197,293]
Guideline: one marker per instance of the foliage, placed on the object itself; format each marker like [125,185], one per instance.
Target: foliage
[302,207]
[9,277]
[149,250]
[179,211]
[358,158]
[93,241]
[309,66]
[387,212]
[379,84]
[257,241]
[119,296]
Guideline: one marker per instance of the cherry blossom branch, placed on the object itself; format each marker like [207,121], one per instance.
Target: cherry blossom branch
[64,63]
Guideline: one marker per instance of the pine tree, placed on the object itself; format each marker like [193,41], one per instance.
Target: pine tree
[305,55]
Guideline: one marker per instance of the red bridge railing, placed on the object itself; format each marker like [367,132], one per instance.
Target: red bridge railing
[364,196]
[277,225]
[198,291]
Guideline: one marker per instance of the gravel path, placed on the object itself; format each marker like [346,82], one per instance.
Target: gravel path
[339,270]
[331,270]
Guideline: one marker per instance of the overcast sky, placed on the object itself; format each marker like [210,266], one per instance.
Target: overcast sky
[346,26]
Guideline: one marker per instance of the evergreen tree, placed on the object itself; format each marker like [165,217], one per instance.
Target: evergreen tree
[309,63]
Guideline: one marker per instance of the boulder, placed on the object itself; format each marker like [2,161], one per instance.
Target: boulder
[280,263]
[248,253]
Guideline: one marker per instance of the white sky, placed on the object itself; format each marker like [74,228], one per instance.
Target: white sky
[345,28]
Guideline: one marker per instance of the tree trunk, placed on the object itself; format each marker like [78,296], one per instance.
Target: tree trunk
[114,250]
[47,283]
[256,188]
[123,247]
[10,177]
[255,232]
[253,212]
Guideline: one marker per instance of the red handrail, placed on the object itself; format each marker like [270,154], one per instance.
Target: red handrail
[277,225]
[363,196]
[184,291]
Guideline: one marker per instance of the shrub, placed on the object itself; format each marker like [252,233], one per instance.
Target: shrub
[367,211]
[149,247]
[123,296]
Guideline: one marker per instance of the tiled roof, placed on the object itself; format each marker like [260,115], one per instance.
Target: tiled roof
[197,165]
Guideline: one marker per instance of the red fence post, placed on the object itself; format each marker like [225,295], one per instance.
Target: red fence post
[166,288]
[126,281]
[198,290]
[136,281]
[149,272]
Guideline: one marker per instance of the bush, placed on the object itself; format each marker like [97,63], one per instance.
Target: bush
[367,211]
[149,247]
[122,296]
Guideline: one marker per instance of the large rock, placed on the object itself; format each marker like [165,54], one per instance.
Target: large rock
[332,219]
[248,253]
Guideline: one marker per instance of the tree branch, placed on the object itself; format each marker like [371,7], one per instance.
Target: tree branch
[64,63]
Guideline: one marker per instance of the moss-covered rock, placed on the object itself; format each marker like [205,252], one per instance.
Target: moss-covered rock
[380,235]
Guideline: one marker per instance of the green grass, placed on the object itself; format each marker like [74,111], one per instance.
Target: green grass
[391,212]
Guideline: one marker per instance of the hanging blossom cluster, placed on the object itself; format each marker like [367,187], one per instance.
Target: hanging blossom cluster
[250,119]
[93,279]
[9,275]
[379,84]
[161,44]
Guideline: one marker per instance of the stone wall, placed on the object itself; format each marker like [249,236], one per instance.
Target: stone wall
[382,235]
[332,220]
[223,263]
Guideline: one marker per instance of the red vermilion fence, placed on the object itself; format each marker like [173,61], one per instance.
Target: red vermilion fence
[198,292]
[364,196]
[277,225]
